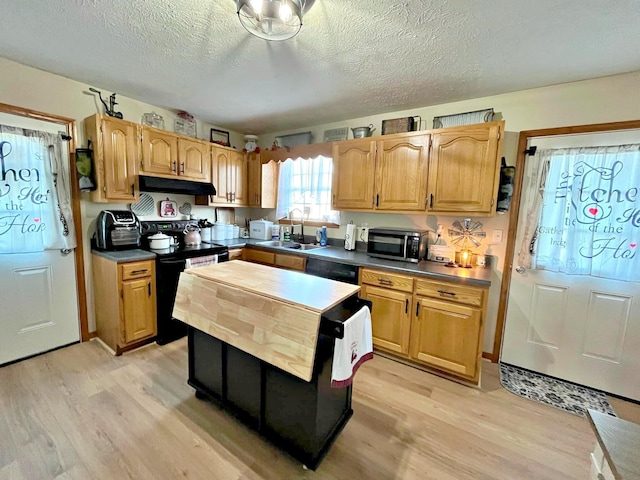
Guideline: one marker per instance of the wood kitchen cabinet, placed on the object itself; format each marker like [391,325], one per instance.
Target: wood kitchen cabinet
[116,149]
[387,174]
[229,177]
[262,182]
[166,154]
[432,323]
[353,180]
[125,302]
[464,169]
[282,260]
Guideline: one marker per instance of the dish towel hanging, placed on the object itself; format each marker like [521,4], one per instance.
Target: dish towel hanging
[353,350]
[200,261]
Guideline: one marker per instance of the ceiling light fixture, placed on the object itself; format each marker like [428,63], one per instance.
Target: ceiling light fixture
[272,19]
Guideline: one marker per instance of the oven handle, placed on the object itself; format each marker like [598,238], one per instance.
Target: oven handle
[172,262]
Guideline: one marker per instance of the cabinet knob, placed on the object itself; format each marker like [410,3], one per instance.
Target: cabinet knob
[417,309]
[133,190]
[175,167]
[182,167]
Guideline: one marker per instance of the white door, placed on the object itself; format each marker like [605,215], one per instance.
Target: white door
[38,291]
[580,328]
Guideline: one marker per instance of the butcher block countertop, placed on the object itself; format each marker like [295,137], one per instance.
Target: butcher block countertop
[270,313]
[312,293]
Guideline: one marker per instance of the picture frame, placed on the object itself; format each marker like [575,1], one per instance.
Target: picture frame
[220,137]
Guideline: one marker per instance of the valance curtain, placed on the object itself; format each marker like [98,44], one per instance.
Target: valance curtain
[589,218]
[306,184]
[35,193]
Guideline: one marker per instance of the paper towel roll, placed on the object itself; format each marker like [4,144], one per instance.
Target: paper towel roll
[350,237]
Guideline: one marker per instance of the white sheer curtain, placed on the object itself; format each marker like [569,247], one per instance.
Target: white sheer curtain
[35,196]
[589,220]
[306,184]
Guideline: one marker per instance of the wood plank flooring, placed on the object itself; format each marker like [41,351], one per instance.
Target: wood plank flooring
[80,413]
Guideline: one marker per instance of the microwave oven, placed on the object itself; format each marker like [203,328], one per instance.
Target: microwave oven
[398,244]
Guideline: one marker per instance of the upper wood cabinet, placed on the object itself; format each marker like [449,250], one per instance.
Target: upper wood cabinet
[401,172]
[166,154]
[388,173]
[229,177]
[159,152]
[464,169]
[353,174]
[194,159]
[116,157]
[262,182]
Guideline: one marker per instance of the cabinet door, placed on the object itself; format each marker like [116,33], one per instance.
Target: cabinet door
[194,160]
[120,153]
[254,180]
[139,309]
[401,173]
[464,169]
[390,318]
[447,336]
[159,152]
[221,176]
[239,172]
[353,174]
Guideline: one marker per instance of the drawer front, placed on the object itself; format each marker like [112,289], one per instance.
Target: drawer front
[393,281]
[259,256]
[133,270]
[449,291]
[292,262]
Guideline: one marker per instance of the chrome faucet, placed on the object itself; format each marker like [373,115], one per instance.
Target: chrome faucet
[301,237]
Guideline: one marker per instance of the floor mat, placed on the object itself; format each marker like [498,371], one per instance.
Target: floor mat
[551,391]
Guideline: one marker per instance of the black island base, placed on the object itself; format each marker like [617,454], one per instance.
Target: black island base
[302,418]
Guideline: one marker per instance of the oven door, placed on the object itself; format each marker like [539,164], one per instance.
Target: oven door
[387,245]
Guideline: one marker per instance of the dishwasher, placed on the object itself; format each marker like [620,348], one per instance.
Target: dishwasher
[341,272]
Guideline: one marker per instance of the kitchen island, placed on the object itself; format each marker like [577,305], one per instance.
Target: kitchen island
[261,345]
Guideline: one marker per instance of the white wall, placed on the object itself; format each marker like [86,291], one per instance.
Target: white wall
[607,99]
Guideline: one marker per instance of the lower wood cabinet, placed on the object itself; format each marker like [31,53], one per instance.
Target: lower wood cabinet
[281,260]
[125,302]
[434,323]
[235,254]
[391,321]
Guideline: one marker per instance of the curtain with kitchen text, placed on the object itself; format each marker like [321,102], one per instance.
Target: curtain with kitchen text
[589,220]
[35,199]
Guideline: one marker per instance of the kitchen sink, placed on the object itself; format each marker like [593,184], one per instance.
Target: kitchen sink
[289,245]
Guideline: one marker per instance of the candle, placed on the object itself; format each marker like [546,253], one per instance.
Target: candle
[465,259]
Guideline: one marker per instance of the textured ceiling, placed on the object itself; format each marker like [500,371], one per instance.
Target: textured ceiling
[351,59]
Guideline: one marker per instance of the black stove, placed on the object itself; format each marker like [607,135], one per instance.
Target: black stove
[181,251]
[170,263]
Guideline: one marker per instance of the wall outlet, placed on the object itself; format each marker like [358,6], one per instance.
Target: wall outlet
[497,237]
[363,234]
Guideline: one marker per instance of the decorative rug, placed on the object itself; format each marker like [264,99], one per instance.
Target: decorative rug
[566,396]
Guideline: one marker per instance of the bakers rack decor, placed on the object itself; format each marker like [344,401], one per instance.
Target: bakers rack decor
[459,119]
[401,125]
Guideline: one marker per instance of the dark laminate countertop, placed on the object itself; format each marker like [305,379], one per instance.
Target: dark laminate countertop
[123,256]
[480,276]
[620,443]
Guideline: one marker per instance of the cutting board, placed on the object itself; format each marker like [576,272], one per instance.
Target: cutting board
[226,215]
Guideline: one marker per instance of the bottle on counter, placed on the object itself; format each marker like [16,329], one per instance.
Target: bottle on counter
[323,236]
[275,232]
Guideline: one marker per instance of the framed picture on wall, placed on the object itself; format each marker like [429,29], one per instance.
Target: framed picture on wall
[220,137]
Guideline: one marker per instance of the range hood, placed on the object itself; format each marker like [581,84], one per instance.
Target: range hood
[169,185]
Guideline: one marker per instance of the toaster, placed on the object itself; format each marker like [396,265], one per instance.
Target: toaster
[260,229]
[117,230]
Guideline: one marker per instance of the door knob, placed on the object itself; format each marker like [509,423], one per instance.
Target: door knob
[520,269]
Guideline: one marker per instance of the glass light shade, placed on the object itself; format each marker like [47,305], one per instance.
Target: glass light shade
[271,19]
[465,259]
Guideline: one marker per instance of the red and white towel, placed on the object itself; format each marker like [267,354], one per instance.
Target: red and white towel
[201,261]
[353,350]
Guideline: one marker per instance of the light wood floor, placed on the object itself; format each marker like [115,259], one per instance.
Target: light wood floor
[80,413]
